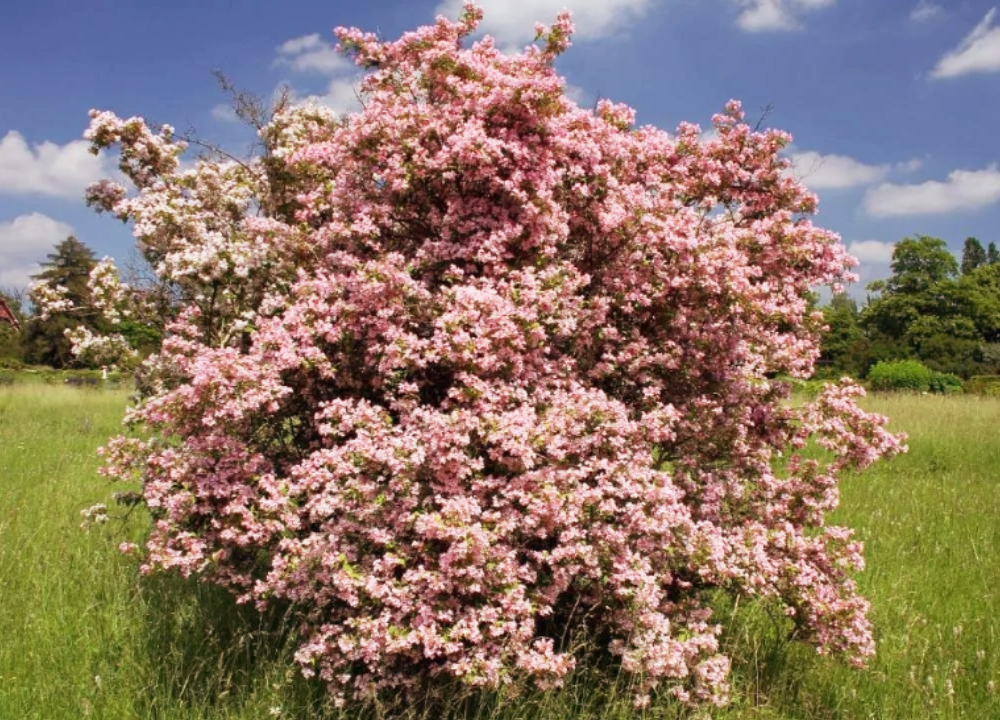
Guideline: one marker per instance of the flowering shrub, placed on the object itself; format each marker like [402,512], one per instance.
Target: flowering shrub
[475,369]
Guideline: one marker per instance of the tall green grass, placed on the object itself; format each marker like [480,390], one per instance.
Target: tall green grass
[929,521]
[83,634]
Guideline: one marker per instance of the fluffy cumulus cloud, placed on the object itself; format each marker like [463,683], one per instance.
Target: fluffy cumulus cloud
[775,15]
[829,172]
[62,171]
[924,11]
[875,263]
[979,52]
[837,172]
[871,252]
[512,23]
[24,241]
[311,55]
[339,94]
[963,190]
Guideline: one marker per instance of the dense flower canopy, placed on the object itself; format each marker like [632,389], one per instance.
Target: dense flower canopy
[475,369]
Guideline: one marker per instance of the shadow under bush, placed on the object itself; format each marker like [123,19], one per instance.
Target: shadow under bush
[203,650]
[771,669]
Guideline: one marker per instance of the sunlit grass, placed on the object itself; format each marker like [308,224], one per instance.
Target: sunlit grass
[85,635]
[929,523]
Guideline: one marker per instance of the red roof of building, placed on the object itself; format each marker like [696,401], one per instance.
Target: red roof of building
[7,315]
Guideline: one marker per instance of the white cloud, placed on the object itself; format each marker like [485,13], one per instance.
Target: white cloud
[578,95]
[909,166]
[925,11]
[710,135]
[301,44]
[775,15]
[310,53]
[837,172]
[963,190]
[872,251]
[512,23]
[979,52]
[765,16]
[225,113]
[47,169]
[24,241]
[340,95]
[830,172]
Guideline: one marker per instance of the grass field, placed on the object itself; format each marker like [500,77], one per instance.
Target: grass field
[83,635]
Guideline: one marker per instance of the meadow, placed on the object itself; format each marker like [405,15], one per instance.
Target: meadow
[85,635]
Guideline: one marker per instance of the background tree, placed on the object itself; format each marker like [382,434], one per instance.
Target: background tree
[11,337]
[973,255]
[66,271]
[920,262]
[926,311]
[992,254]
[845,349]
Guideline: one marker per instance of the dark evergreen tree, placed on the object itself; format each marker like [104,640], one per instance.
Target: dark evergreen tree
[973,255]
[69,266]
[992,255]
[845,350]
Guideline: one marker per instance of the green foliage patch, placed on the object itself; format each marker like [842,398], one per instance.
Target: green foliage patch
[985,385]
[900,375]
[911,376]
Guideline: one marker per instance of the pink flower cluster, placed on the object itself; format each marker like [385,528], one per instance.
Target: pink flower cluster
[475,371]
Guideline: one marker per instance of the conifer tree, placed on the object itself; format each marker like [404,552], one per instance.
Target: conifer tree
[68,266]
[973,255]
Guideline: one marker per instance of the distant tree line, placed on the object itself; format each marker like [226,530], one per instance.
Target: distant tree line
[932,308]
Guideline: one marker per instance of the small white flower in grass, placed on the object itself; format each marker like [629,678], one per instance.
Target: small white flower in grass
[94,515]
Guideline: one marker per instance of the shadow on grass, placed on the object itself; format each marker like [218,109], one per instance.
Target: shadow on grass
[774,676]
[207,654]
[204,656]
[207,657]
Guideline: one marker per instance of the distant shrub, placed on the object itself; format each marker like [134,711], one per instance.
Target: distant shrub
[76,377]
[985,385]
[945,383]
[900,375]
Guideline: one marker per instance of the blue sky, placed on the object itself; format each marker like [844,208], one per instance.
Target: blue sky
[894,104]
